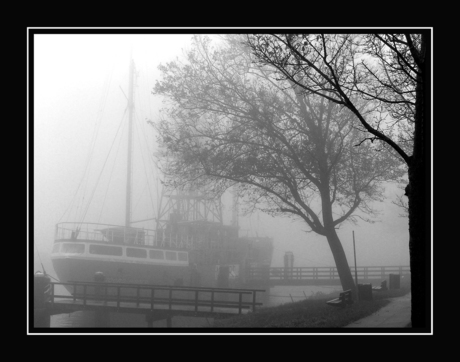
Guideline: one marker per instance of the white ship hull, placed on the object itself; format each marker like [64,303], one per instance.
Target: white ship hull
[79,261]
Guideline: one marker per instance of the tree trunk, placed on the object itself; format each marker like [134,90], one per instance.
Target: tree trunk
[346,279]
[419,225]
[417,246]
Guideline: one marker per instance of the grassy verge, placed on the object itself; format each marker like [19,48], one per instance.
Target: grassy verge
[311,313]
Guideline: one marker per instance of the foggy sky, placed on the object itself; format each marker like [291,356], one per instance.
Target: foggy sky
[77,80]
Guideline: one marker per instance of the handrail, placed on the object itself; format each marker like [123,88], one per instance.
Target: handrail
[75,231]
[150,299]
[316,273]
[162,286]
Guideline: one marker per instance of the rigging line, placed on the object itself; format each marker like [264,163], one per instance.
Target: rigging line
[102,101]
[144,132]
[87,169]
[154,172]
[140,196]
[38,253]
[41,263]
[94,137]
[88,161]
[148,88]
[103,167]
[95,187]
[144,90]
[143,162]
[110,177]
[101,110]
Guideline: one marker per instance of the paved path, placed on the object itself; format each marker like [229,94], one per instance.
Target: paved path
[394,315]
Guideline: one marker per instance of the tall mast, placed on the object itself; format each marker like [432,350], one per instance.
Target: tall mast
[130,131]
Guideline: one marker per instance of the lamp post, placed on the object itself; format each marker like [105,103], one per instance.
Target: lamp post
[356,269]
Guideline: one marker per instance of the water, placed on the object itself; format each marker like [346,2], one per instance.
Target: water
[287,294]
[276,296]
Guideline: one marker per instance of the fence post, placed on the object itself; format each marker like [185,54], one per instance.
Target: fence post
[169,321]
[52,294]
[240,302]
[152,299]
[212,301]
[99,278]
[42,317]
[149,320]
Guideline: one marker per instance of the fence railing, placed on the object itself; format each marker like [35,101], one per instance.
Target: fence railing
[152,297]
[322,273]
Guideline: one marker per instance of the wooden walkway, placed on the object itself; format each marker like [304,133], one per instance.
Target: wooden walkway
[154,301]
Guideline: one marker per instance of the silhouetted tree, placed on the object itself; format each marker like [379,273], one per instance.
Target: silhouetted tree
[391,73]
[231,122]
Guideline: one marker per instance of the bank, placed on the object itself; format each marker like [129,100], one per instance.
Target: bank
[312,312]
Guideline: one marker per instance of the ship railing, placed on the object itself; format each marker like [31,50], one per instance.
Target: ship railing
[73,234]
[177,241]
[73,231]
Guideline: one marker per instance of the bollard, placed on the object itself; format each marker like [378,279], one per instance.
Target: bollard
[394,281]
[99,278]
[365,291]
[101,318]
[288,264]
[42,317]
[149,320]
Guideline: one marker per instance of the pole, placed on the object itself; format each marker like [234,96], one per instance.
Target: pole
[356,268]
[235,206]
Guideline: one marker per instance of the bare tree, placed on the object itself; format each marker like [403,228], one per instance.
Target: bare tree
[401,202]
[231,122]
[390,72]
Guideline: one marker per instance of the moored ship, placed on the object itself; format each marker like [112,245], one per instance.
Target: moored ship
[190,246]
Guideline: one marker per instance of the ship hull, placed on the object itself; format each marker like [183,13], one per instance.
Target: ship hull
[81,261]
[69,269]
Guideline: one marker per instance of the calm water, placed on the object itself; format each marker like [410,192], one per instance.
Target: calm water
[277,296]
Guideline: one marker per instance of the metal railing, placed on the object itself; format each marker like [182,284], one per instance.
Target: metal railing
[151,297]
[322,273]
[73,231]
